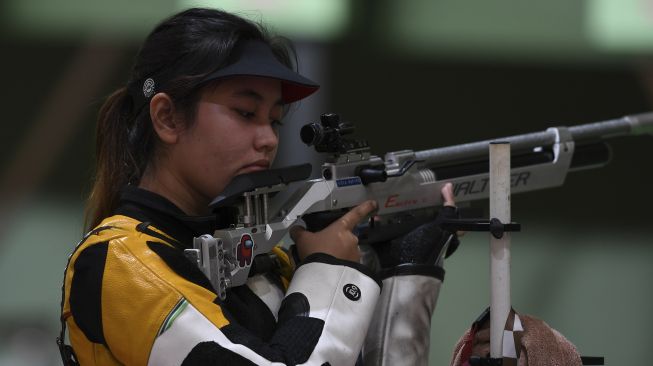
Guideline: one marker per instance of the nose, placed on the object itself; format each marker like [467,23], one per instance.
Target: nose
[266,138]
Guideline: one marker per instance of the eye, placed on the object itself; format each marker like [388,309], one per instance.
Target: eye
[276,123]
[245,114]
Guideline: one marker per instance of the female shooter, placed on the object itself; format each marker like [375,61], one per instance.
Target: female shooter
[203,104]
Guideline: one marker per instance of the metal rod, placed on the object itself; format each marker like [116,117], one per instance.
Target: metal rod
[265,208]
[630,125]
[257,209]
[247,219]
[499,248]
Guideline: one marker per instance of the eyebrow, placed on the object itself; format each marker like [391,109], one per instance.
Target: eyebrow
[249,93]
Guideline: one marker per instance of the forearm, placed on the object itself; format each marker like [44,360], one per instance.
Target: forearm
[318,322]
[400,330]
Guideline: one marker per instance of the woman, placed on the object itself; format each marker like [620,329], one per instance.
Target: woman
[203,104]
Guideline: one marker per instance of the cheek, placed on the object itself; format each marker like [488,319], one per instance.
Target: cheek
[218,148]
[205,165]
[229,143]
[211,132]
[215,150]
[273,153]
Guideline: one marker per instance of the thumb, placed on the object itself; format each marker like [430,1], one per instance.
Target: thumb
[447,195]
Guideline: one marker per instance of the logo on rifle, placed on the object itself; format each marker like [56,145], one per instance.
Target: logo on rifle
[392,201]
[345,182]
[245,250]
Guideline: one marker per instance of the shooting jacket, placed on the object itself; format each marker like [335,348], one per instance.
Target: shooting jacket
[131,297]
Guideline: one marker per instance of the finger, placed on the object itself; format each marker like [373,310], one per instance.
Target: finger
[357,214]
[447,194]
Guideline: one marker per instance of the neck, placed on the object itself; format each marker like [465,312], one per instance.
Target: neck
[164,183]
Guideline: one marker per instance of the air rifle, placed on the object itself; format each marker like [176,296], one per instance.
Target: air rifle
[406,185]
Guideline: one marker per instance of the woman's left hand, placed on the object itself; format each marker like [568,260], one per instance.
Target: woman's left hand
[423,245]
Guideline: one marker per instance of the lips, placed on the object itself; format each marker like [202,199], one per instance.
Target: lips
[256,166]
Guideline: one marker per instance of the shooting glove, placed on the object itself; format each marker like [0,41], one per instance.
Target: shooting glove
[422,246]
[411,268]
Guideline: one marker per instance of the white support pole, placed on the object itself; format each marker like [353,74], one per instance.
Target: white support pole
[499,248]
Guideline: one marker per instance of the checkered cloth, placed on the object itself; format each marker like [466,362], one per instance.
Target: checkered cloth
[512,337]
[527,341]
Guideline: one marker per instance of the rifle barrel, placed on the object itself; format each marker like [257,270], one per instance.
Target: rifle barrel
[637,124]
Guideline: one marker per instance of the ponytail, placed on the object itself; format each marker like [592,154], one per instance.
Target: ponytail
[115,165]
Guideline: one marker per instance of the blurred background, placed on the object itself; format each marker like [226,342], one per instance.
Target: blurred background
[412,74]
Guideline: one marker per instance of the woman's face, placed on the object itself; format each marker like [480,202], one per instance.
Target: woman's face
[234,132]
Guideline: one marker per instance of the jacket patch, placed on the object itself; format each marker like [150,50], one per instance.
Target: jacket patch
[352,292]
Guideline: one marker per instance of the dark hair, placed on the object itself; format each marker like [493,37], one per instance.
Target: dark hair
[177,55]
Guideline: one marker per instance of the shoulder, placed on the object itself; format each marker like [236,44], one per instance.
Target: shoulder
[123,248]
[127,276]
[113,255]
[125,257]
[119,235]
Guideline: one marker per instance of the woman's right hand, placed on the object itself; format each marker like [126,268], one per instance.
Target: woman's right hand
[336,239]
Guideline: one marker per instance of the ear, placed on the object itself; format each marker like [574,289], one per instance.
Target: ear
[164,123]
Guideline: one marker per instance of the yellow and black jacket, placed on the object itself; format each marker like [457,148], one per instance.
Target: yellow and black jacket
[131,297]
